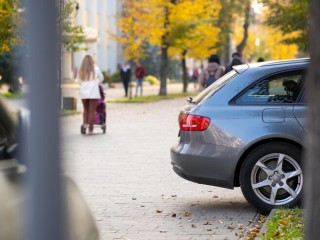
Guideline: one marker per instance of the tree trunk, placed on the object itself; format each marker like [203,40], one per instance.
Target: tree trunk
[312,163]
[185,78]
[226,56]
[246,25]
[164,56]
[163,71]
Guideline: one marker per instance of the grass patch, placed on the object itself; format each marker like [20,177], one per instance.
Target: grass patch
[65,112]
[13,95]
[152,98]
[285,224]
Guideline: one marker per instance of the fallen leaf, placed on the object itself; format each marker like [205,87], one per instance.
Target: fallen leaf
[134,198]
[142,205]
[240,226]
[173,215]
[186,214]
[159,211]
[190,220]
[207,223]
[230,227]
[215,196]
[173,195]
[193,225]
[209,229]
[220,221]
[276,234]
[283,222]
[163,231]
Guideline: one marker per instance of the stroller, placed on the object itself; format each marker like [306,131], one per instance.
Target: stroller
[100,115]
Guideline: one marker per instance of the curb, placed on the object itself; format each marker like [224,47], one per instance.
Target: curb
[263,229]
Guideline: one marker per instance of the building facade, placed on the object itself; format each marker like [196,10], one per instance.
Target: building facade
[98,19]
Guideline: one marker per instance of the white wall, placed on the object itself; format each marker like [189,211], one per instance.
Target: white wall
[100,15]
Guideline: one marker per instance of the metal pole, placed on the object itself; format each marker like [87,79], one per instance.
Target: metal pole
[45,219]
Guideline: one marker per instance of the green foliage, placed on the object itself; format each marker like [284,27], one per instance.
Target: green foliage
[291,17]
[116,77]
[152,98]
[66,113]
[230,12]
[72,36]
[11,95]
[10,68]
[10,23]
[111,78]
[285,224]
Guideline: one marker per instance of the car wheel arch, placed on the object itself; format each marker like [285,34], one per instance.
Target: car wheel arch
[254,146]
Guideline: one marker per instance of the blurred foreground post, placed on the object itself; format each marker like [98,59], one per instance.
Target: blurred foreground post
[312,159]
[45,215]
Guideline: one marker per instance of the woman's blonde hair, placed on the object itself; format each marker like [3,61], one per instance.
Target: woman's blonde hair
[87,68]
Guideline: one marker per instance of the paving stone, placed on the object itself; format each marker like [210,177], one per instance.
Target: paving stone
[125,175]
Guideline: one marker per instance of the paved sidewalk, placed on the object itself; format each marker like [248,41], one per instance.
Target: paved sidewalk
[127,179]
[114,93]
[117,91]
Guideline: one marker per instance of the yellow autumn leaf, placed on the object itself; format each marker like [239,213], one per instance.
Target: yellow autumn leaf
[186,214]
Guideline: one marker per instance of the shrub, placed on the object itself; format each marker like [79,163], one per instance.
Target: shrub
[116,77]
[111,78]
[151,80]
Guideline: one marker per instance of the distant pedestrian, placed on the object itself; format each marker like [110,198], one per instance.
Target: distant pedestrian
[236,60]
[140,73]
[89,77]
[194,77]
[125,74]
[212,72]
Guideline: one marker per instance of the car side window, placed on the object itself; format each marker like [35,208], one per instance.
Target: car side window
[280,88]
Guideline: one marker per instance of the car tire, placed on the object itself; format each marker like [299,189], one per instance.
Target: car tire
[271,176]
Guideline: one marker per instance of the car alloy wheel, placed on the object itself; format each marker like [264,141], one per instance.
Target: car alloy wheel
[276,179]
[272,176]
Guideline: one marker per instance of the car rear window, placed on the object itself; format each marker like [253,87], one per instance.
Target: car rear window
[216,86]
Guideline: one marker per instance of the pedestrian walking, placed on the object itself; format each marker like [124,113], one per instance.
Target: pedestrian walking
[140,73]
[125,74]
[212,72]
[236,60]
[194,77]
[89,77]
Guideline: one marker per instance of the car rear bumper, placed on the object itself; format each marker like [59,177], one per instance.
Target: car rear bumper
[216,168]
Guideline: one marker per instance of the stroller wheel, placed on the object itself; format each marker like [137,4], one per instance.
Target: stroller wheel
[104,128]
[82,129]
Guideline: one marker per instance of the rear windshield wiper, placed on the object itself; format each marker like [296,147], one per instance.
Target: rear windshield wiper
[190,100]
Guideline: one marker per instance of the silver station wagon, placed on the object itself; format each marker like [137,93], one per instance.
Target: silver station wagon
[246,130]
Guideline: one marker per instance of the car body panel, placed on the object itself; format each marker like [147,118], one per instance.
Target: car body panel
[212,156]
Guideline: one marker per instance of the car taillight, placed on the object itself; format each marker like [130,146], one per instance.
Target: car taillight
[189,122]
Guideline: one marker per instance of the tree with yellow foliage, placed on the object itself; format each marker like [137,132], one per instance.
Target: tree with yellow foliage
[10,20]
[193,31]
[177,27]
[265,41]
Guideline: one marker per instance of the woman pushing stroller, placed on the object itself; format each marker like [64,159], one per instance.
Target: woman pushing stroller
[89,77]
